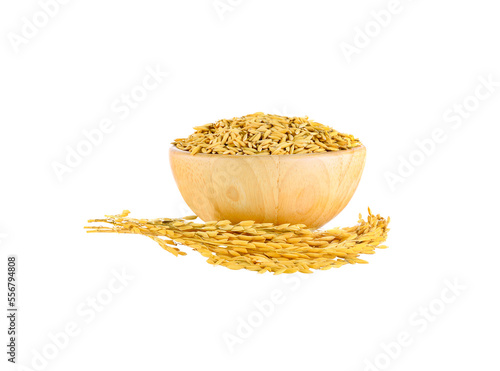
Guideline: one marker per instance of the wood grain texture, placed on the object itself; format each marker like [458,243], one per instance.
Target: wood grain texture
[306,189]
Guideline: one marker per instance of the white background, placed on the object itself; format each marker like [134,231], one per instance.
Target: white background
[273,56]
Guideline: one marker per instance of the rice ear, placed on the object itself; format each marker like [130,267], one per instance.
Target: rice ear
[258,247]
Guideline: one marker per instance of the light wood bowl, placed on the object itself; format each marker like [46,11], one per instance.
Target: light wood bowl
[306,189]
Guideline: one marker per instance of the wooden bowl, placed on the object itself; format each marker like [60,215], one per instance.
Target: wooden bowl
[306,189]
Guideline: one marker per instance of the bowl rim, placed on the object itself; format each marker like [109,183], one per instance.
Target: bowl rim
[327,153]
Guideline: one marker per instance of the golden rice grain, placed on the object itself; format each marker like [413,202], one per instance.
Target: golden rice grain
[261,247]
[264,134]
